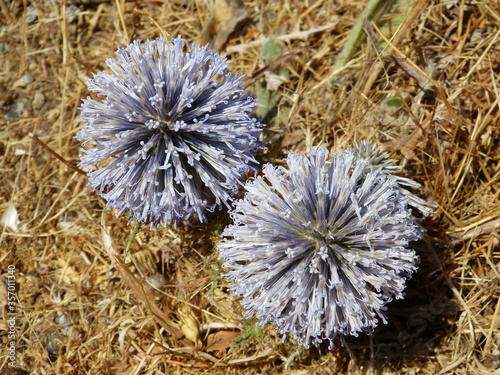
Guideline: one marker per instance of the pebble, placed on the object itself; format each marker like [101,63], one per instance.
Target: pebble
[13,113]
[31,14]
[72,13]
[24,81]
[54,344]
[38,101]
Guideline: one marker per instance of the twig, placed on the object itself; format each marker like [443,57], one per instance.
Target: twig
[481,58]
[5,11]
[474,321]
[297,35]
[56,155]
[83,63]
[476,230]
[395,40]
[164,32]
[161,316]
[434,82]
[120,9]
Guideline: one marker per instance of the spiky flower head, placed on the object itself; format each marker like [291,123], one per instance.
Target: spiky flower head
[320,247]
[173,134]
[379,159]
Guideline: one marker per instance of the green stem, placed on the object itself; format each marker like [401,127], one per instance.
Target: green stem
[136,226]
[357,33]
[295,356]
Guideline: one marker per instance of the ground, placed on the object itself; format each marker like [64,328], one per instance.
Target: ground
[428,94]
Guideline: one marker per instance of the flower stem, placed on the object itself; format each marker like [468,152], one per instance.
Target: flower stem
[136,226]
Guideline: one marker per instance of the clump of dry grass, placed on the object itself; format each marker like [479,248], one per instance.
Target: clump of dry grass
[86,304]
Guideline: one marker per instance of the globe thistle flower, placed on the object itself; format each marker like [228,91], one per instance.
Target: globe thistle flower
[319,248]
[379,159]
[173,135]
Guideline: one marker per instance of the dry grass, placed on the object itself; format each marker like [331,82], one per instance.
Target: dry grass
[86,304]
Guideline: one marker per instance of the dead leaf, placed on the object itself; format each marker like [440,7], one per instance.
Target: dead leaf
[224,17]
[221,340]
[189,326]
[10,218]
[66,273]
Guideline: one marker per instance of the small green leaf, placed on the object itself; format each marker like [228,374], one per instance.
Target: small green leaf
[393,102]
[252,331]
[271,49]
[214,273]
[268,100]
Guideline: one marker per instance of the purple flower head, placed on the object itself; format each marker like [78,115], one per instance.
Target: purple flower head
[173,135]
[319,248]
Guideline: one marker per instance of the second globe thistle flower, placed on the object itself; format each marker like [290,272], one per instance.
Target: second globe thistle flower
[320,247]
[172,136]
[376,158]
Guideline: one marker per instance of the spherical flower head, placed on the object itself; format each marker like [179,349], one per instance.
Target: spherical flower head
[173,134]
[320,247]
